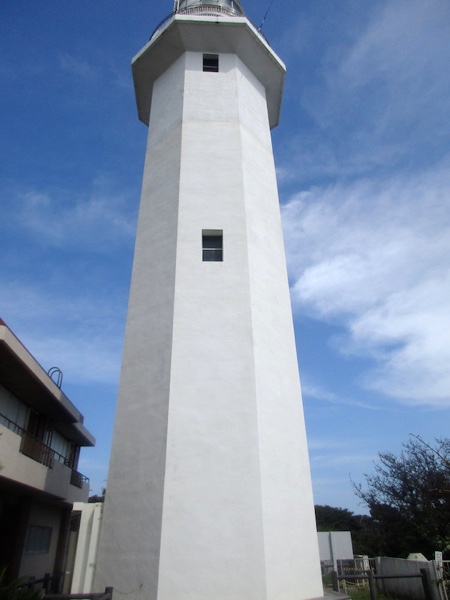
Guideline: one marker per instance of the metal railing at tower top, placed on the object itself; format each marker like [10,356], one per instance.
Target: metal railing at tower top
[210,10]
[205,10]
[232,6]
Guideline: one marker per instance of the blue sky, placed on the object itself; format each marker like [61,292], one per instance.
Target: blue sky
[363,161]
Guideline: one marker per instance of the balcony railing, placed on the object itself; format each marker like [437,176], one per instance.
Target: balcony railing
[35,449]
[40,452]
[78,479]
[205,11]
[51,585]
[10,424]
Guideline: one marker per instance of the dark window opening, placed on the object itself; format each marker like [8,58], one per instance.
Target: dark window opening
[212,247]
[38,539]
[211,63]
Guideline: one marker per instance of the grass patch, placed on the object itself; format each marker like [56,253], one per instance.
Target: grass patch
[364,594]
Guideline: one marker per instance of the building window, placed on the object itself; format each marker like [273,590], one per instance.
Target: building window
[211,63]
[212,244]
[38,539]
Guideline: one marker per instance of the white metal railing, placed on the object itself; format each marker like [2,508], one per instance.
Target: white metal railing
[205,10]
[210,10]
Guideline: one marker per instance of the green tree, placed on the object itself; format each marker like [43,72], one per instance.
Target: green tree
[15,590]
[97,498]
[331,518]
[408,497]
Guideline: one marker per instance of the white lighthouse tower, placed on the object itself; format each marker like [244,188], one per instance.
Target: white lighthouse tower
[209,491]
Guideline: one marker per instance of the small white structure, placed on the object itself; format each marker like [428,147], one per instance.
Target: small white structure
[82,552]
[334,546]
[209,491]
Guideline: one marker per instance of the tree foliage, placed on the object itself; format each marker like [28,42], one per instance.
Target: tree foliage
[331,518]
[408,497]
[16,590]
[97,498]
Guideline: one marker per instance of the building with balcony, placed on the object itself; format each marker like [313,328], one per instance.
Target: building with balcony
[41,433]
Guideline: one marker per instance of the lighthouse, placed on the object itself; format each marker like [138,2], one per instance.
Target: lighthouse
[209,492]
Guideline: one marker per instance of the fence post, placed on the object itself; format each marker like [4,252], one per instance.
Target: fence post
[334,581]
[426,584]
[109,590]
[372,585]
[45,583]
[56,583]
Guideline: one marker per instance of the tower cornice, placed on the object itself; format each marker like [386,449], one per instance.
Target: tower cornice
[192,33]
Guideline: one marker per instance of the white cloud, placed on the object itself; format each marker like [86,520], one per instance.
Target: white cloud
[400,57]
[84,356]
[335,459]
[78,67]
[379,97]
[83,333]
[62,218]
[325,444]
[373,256]
[404,45]
[315,391]
[105,70]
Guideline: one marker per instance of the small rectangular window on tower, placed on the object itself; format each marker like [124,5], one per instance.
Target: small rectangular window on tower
[211,63]
[212,244]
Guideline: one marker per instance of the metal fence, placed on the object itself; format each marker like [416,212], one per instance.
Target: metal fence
[106,595]
[371,578]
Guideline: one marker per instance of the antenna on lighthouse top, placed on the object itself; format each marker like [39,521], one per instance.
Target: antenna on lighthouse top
[265,16]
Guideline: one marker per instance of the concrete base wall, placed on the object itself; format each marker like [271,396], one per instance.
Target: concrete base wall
[411,588]
[87,546]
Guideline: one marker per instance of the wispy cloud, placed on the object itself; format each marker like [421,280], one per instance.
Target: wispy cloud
[98,219]
[79,67]
[83,331]
[335,459]
[324,444]
[379,100]
[403,48]
[317,392]
[395,66]
[373,256]
[82,357]
[89,72]
[369,250]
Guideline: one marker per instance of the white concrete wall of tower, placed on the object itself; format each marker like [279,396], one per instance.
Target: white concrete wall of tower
[209,492]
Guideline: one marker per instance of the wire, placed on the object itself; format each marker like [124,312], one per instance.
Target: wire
[265,16]
[138,589]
